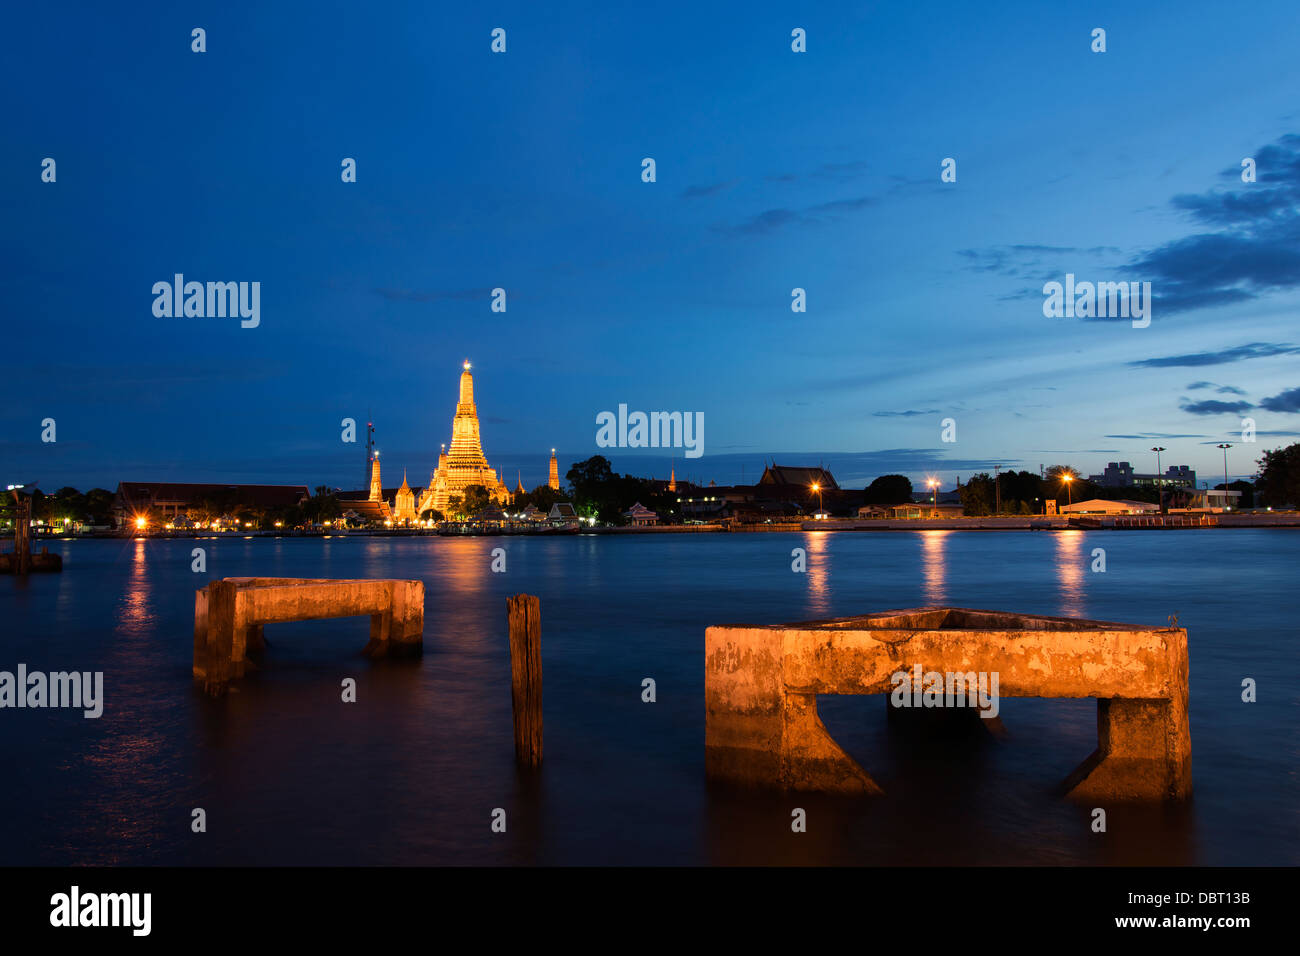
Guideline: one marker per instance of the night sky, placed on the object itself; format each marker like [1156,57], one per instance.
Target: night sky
[522,170]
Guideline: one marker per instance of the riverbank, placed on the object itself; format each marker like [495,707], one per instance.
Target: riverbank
[1279,519]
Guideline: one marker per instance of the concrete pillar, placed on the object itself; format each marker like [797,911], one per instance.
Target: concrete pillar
[221,636]
[759,733]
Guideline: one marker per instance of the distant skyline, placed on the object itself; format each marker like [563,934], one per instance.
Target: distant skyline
[775,170]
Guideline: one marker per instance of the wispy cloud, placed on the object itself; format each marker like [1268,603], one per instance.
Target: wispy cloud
[1213,407]
[712,189]
[1152,436]
[1221,389]
[771,220]
[909,413]
[1237,353]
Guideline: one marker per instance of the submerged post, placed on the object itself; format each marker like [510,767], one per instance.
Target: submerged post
[22,534]
[525,613]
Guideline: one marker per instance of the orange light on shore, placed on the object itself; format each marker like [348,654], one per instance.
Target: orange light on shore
[141,523]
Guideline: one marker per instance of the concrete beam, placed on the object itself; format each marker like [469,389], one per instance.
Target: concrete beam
[761,687]
[231,614]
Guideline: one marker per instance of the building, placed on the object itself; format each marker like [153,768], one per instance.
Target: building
[404,512]
[135,499]
[927,509]
[563,516]
[465,464]
[553,479]
[640,516]
[782,476]
[1214,499]
[1120,474]
[1102,506]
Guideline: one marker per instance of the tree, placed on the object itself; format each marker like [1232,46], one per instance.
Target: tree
[977,496]
[1278,483]
[475,500]
[431,514]
[889,490]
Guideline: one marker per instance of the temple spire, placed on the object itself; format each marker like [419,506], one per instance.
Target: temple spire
[376,486]
[553,480]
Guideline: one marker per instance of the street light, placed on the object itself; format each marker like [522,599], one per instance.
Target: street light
[818,488]
[1069,495]
[1225,448]
[934,487]
[1160,491]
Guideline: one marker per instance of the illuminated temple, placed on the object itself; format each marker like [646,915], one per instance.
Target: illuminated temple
[465,464]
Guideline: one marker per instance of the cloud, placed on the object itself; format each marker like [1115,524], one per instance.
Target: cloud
[1288,401]
[1212,407]
[1249,245]
[1152,436]
[1027,260]
[699,192]
[1253,243]
[771,220]
[910,413]
[1237,353]
[1221,389]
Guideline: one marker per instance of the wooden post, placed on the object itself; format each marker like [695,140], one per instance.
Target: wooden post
[22,534]
[525,613]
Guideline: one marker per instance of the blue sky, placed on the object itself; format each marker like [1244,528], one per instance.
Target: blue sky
[775,170]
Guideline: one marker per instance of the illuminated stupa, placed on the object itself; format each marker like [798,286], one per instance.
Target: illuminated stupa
[404,505]
[464,464]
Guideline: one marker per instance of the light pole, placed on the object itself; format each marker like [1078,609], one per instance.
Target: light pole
[818,488]
[1160,491]
[1069,494]
[934,487]
[1225,448]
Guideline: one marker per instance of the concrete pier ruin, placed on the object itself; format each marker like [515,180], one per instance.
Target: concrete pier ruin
[761,687]
[230,614]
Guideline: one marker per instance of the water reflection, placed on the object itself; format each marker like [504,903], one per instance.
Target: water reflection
[136,609]
[1070,559]
[934,567]
[817,544]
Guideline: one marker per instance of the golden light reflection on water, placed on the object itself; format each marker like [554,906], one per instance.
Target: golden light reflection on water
[136,609]
[1070,561]
[934,567]
[817,544]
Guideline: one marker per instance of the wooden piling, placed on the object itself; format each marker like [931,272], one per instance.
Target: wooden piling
[525,614]
[23,534]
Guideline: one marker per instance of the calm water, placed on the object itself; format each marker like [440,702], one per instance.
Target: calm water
[411,773]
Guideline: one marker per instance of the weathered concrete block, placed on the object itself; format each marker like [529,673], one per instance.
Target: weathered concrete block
[229,617]
[761,687]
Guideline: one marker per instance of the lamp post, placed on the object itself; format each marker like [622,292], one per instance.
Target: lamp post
[1225,448]
[934,488]
[818,488]
[1160,491]
[1069,493]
